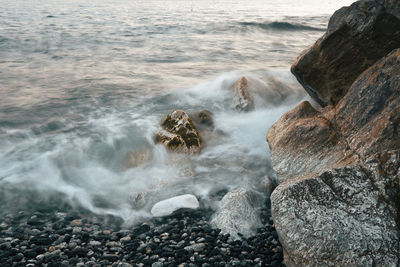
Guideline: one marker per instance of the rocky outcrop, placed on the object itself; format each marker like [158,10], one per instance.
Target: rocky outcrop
[338,202]
[238,213]
[179,133]
[244,101]
[356,38]
[335,219]
[303,141]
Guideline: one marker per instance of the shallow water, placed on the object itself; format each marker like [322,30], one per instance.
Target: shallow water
[82,84]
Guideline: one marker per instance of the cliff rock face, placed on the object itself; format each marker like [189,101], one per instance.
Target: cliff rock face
[338,202]
[356,38]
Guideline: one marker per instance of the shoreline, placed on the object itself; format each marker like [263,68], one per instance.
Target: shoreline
[75,237]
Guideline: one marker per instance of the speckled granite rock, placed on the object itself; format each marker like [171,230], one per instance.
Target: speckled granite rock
[339,168]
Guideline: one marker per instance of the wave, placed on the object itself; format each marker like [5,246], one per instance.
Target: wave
[281,26]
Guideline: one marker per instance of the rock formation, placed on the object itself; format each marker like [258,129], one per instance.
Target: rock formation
[356,38]
[179,133]
[339,166]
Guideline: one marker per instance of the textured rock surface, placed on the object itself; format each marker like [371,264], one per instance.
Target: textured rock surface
[238,213]
[244,101]
[303,141]
[179,133]
[335,219]
[356,38]
[339,198]
[168,206]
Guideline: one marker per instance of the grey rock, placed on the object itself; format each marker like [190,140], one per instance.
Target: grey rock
[196,247]
[335,219]
[238,213]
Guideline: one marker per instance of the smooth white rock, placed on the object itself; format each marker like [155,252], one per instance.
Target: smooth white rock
[168,206]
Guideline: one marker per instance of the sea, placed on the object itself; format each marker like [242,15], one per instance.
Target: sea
[84,84]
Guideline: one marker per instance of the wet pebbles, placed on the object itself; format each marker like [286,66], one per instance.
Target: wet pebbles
[72,238]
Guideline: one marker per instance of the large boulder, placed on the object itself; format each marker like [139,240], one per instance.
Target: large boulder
[335,219]
[238,213]
[356,38]
[179,133]
[339,168]
[303,141]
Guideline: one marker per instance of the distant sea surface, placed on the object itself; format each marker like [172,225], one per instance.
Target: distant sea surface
[85,83]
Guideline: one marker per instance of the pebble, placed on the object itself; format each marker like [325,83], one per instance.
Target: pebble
[70,238]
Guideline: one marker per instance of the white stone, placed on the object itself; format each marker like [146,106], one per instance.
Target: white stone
[168,206]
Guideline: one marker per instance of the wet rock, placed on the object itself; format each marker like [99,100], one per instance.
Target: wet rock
[203,120]
[356,38]
[244,101]
[138,157]
[179,133]
[168,206]
[238,213]
[341,208]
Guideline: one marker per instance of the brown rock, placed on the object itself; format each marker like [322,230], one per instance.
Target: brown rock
[179,133]
[303,141]
[244,100]
[203,120]
[339,168]
[138,157]
[356,38]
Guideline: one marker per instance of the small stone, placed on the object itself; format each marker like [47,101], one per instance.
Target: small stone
[52,248]
[164,236]
[76,230]
[40,257]
[76,222]
[125,239]
[196,247]
[106,232]
[95,243]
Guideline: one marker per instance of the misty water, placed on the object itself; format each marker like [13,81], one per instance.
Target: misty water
[85,83]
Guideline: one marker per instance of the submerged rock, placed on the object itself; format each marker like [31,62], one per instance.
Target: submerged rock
[203,120]
[339,168]
[179,133]
[356,38]
[238,213]
[138,157]
[244,101]
[168,206]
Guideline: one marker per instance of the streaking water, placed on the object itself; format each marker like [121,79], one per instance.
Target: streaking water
[84,83]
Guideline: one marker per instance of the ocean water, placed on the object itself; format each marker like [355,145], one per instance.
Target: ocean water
[85,83]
